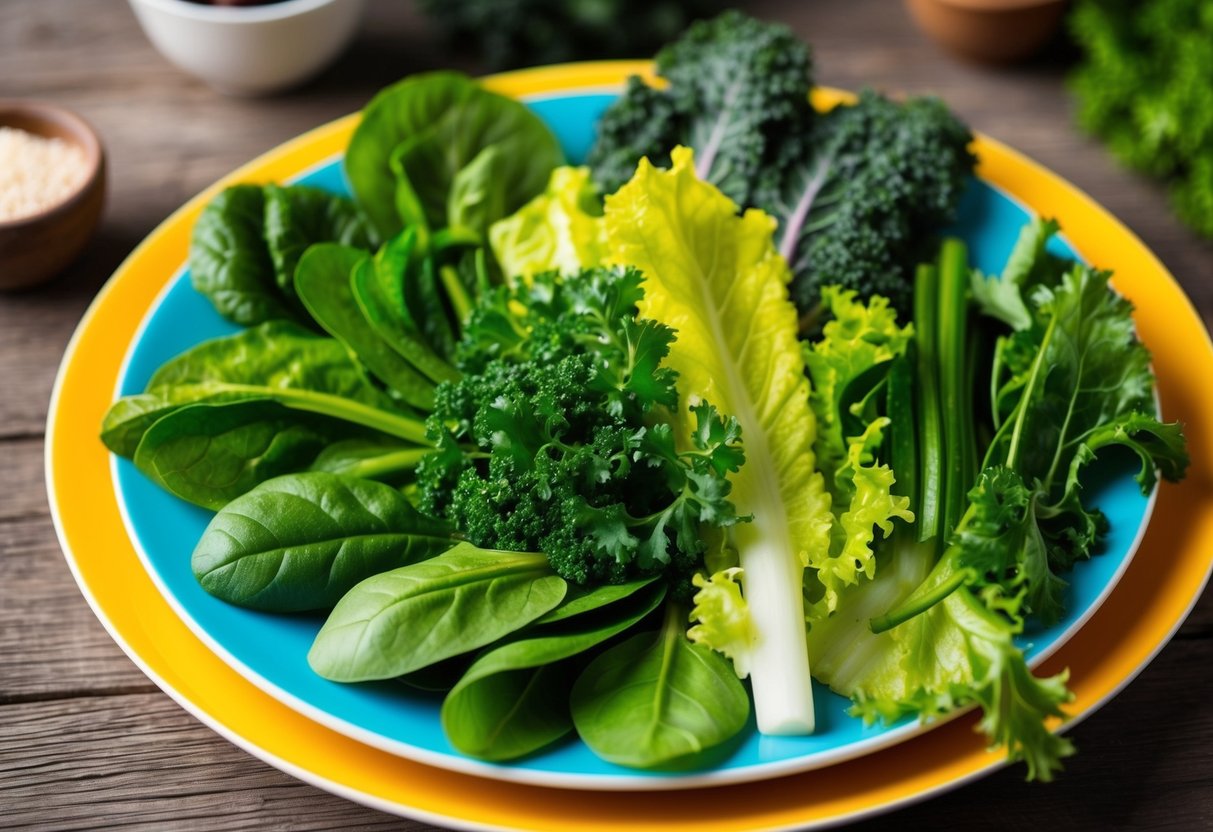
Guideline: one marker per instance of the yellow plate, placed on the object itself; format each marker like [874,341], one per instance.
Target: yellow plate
[1160,587]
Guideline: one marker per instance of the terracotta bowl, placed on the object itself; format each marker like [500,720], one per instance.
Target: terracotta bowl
[35,248]
[989,31]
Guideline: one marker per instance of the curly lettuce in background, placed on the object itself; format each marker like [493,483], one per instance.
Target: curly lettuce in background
[1145,88]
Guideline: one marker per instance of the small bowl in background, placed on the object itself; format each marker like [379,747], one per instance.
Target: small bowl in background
[989,31]
[35,248]
[250,50]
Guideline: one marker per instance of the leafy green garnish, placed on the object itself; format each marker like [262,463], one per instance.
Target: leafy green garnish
[945,607]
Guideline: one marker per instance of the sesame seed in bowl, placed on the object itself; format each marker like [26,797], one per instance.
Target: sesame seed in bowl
[36,173]
[52,190]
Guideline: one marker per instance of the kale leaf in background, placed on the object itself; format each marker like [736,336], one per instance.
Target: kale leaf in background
[738,88]
[513,33]
[1145,88]
[860,192]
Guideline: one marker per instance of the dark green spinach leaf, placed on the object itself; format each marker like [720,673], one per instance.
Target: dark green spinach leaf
[300,542]
[514,699]
[231,264]
[299,216]
[277,360]
[378,308]
[657,699]
[406,619]
[209,454]
[323,280]
[448,118]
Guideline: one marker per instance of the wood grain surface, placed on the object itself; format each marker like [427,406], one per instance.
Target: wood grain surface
[87,742]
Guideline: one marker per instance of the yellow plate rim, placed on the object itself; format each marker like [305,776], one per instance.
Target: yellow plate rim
[84,509]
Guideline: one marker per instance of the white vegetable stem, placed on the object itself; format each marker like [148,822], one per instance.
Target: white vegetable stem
[779,663]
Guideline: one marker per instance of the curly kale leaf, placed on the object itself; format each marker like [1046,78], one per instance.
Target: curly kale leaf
[737,87]
[861,195]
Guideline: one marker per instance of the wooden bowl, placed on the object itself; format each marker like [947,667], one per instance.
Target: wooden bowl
[35,248]
[989,31]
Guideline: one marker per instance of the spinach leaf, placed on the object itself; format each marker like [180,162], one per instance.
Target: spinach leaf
[277,360]
[209,454]
[447,112]
[230,263]
[300,542]
[406,619]
[372,458]
[582,600]
[323,280]
[298,216]
[391,262]
[657,698]
[469,200]
[477,198]
[425,302]
[249,239]
[510,713]
[377,307]
[514,699]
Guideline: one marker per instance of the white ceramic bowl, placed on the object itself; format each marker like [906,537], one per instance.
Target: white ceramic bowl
[250,50]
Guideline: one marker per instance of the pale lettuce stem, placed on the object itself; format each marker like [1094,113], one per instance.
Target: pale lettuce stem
[779,665]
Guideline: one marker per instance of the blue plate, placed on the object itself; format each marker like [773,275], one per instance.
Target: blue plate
[271,650]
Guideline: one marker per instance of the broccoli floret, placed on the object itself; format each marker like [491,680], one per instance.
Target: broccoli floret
[860,192]
[560,443]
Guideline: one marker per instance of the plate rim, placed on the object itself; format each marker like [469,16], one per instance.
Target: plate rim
[558,77]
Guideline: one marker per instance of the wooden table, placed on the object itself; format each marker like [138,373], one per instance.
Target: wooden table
[87,742]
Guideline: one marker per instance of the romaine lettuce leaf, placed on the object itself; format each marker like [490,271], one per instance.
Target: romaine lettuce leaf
[715,278]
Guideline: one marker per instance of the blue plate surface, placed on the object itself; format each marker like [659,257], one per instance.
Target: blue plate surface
[272,649]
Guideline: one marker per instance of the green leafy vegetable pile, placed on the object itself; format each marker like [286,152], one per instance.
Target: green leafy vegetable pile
[573,461]
[1143,88]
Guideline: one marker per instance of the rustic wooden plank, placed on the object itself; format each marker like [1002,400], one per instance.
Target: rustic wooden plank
[140,762]
[51,644]
[143,755]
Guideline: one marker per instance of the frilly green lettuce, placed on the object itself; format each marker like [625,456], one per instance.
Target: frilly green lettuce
[724,622]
